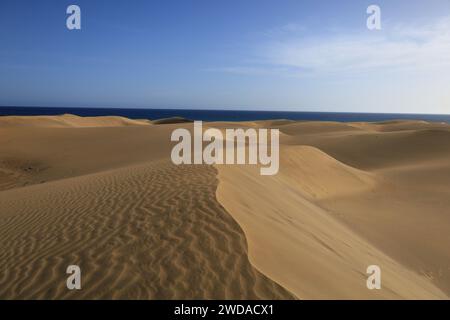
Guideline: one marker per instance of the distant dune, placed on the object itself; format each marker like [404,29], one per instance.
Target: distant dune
[69,120]
[171,120]
[102,193]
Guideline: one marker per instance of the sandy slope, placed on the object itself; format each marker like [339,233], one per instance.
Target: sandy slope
[102,193]
[383,198]
[112,203]
[153,231]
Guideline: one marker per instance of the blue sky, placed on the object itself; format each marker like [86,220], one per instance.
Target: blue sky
[256,55]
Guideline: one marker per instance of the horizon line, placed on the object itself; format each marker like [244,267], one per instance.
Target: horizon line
[230,110]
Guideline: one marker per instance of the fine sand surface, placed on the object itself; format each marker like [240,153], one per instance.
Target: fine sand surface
[103,194]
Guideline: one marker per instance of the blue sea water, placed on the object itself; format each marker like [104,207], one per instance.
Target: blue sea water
[221,115]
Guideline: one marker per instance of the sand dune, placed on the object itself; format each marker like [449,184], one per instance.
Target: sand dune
[138,226]
[370,150]
[171,120]
[102,193]
[323,221]
[312,254]
[400,125]
[69,120]
[317,175]
[133,233]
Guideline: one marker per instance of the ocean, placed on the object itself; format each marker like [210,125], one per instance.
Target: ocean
[222,115]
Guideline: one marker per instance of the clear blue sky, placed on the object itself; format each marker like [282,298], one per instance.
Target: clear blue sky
[247,54]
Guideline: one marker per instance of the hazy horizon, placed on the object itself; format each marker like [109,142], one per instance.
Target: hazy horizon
[274,110]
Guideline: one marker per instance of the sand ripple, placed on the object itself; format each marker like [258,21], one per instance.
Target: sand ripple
[153,231]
